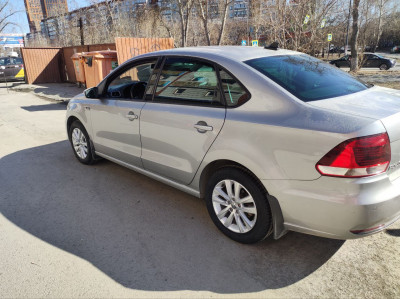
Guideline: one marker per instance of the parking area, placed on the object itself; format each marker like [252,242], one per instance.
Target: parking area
[69,230]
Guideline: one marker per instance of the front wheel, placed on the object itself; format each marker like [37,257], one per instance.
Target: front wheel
[383,67]
[80,143]
[238,205]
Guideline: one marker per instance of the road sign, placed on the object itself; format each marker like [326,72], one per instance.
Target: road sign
[244,42]
[306,19]
[254,43]
[323,23]
[329,37]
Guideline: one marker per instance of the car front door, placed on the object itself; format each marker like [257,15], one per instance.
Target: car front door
[115,116]
[373,61]
[178,127]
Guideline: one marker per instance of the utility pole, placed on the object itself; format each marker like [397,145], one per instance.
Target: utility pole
[347,33]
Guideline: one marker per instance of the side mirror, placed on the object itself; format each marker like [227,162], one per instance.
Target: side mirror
[91,93]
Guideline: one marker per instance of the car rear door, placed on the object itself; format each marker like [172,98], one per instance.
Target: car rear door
[178,127]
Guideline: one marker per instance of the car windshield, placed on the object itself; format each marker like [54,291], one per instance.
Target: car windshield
[307,78]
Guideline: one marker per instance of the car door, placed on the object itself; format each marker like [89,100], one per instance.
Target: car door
[12,68]
[187,112]
[9,68]
[115,116]
[369,60]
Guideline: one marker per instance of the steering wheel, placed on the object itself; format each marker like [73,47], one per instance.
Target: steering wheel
[137,90]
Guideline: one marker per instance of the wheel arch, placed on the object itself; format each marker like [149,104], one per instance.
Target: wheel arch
[277,216]
[70,120]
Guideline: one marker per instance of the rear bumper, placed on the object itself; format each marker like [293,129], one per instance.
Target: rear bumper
[338,208]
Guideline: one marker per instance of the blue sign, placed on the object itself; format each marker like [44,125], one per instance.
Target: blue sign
[244,43]
[254,43]
[11,40]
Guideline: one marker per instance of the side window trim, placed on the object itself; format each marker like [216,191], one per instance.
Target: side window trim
[157,71]
[194,103]
[123,70]
[220,68]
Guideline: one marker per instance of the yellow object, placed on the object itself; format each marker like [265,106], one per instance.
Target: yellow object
[254,42]
[21,74]
[79,67]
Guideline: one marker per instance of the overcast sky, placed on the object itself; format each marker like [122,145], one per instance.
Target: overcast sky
[22,20]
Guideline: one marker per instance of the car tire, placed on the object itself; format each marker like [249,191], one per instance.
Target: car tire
[383,67]
[245,216]
[80,143]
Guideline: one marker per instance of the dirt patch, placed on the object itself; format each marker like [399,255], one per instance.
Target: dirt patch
[394,85]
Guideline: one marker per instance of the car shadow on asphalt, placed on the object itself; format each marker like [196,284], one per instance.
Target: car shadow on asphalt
[46,107]
[141,233]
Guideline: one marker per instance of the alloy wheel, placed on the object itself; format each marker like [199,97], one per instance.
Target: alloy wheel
[80,143]
[234,206]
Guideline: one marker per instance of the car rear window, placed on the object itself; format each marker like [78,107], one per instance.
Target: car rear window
[307,78]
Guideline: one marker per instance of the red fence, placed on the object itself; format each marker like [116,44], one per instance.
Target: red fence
[53,65]
[42,65]
[128,47]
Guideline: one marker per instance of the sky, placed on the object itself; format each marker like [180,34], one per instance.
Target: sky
[22,20]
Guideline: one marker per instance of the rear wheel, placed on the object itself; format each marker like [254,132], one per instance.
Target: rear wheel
[238,206]
[80,143]
[383,67]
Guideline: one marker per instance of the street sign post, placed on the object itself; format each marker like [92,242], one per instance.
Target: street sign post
[306,19]
[254,43]
[329,37]
[244,42]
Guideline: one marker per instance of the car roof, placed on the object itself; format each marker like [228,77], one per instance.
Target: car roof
[237,53]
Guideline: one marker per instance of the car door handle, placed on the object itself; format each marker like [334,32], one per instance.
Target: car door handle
[131,116]
[202,127]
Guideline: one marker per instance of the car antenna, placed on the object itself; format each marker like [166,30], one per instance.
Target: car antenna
[273,46]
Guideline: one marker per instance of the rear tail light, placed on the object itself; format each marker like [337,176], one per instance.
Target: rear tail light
[357,157]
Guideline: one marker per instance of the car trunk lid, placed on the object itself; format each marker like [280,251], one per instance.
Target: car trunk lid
[376,103]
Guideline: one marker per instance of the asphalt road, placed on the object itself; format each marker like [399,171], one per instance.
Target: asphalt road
[69,230]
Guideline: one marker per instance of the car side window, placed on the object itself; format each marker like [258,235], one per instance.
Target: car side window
[234,92]
[131,84]
[188,81]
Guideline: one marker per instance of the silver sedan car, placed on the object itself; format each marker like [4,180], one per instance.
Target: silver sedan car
[273,140]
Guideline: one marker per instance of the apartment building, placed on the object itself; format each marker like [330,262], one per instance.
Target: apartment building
[37,10]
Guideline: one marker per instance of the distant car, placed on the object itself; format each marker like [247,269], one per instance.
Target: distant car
[11,68]
[395,49]
[369,60]
[274,140]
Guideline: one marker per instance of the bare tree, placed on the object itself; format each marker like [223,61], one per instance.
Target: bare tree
[354,36]
[184,10]
[6,12]
[202,6]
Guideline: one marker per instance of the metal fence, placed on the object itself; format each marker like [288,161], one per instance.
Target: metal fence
[42,65]
[54,65]
[128,47]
